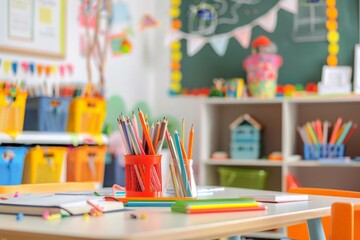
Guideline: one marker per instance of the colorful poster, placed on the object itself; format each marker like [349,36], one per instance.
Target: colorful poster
[21,19]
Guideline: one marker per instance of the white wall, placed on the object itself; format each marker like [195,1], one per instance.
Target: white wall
[143,75]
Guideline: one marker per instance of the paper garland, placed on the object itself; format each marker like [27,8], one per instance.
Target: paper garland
[333,35]
[242,34]
[50,70]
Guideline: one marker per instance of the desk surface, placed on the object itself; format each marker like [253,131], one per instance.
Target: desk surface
[161,223]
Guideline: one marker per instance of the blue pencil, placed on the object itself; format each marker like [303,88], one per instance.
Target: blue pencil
[182,164]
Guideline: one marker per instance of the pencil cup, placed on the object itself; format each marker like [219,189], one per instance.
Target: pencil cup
[191,178]
[317,151]
[143,176]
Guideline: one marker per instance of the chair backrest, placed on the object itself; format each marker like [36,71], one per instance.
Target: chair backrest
[345,221]
[48,187]
[300,231]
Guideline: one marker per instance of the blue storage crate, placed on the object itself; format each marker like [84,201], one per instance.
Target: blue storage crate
[47,114]
[317,151]
[245,150]
[11,165]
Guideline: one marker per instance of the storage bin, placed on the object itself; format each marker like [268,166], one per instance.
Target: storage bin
[46,114]
[317,151]
[114,171]
[44,165]
[86,163]
[242,178]
[11,164]
[245,150]
[12,111]
[86,115]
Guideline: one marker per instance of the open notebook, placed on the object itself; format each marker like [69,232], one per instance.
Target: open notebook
[36,204]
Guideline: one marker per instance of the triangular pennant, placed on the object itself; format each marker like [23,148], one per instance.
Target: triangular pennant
[148,21]
[268,21]
[194,44]
[14,67]
[219,44]
[289,5]
[61,70]
[48,70]
[53,69]
[39,69]
[243,36]
[25,66]
[70,68]
[32,68]
[6,66]
[172,36]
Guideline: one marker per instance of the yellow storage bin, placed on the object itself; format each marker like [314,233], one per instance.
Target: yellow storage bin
[12,111]
[86,115]
[44,165]
[86,163]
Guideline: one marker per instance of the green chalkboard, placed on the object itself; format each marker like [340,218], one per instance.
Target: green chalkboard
[303,61]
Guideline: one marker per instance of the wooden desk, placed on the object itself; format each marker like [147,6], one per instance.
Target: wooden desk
[161,223]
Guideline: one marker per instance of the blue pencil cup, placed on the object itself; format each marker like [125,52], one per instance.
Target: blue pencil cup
[317,151]
[11,165]
[46,114]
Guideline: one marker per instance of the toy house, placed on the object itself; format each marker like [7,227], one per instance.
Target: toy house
[245,138]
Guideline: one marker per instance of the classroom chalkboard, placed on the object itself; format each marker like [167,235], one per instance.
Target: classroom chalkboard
[303,60]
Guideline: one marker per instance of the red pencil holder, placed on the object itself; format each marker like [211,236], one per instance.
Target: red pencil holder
[143,175]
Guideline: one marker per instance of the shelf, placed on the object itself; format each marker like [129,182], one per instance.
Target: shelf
[236,162]
[53,138]
[320,164]
[225,101]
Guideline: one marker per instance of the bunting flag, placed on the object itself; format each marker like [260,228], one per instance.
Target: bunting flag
[242,34]
[25,67]
[195,44]
[219,44]
[268,21]
[32,68]
[6,66]
[14,67]
[289,5]
[39,69]
[147,22]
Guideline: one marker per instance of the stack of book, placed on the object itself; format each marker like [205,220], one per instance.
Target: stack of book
[216,205]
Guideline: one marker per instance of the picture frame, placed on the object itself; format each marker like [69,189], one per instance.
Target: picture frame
[33,27]
[335,80]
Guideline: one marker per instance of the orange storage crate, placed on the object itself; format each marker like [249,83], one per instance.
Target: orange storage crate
[44,165]
[86,115]
[12,111]
[86,163]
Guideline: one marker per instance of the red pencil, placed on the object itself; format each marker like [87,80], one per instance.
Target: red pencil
[352,130]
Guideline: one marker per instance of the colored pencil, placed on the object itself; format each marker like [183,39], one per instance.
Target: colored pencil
[335,130]
[147,136]
[191,141]
[351,132]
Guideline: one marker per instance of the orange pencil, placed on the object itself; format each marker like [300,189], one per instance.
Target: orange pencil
[335,131]
[146,132]
[319,130]
[191,140]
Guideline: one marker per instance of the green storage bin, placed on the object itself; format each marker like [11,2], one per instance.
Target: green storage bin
[242,178]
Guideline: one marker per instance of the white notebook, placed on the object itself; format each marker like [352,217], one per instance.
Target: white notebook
[278,198]
[36,204]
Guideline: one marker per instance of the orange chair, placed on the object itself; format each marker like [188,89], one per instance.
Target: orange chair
[300,231]
[345,221]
